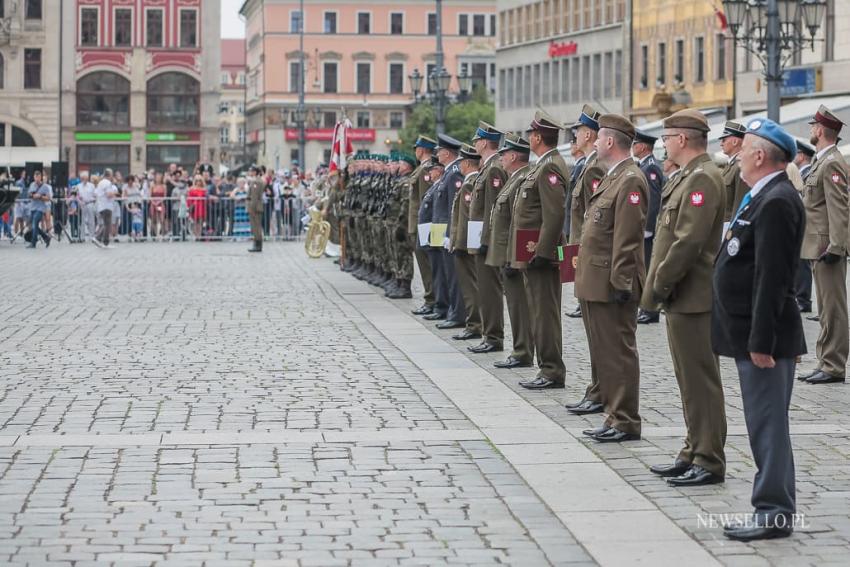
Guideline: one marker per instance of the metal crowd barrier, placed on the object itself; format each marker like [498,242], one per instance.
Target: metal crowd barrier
[171,219]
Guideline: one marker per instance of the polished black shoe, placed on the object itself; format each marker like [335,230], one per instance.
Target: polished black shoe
[485,347]
[807,375]
[451,324]
[823,378]
[813,317]
[647,318]
[466,335]
[512,362]
[586,407]
[434,316]
[695,476]
[542,383]
[751,533]
[575,314]
[804,307]
[677,468]
[423,310]
[614,435]
[597,431]
[575,404]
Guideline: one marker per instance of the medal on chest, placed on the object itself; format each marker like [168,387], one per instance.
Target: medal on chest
[597,215]
[733,247]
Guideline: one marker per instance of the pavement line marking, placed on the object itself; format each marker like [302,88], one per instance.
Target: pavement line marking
[569,488]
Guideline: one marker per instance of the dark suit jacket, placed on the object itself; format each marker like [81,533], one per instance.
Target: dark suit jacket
[754,308]
[655,179]
[574,173]
[444,193]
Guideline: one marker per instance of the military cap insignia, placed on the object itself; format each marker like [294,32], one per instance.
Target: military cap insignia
[497,182]
[553,179]
[697,199]
[634,198]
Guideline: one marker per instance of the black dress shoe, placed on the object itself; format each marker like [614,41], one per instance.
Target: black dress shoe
[512,362]
[466,335]
[807,375]
[542,383]
[598,431]
[678,467]
[695,476]
[587,407]
[450,324]
[614,435]
[575,314]
[824,378]
[646,319]
[423,310]
[744,533]
[434,316]
[813,317]
[485,347]
[805,307]
[575,404]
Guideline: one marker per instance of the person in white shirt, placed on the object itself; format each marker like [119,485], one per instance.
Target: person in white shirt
[89,211]
[105,194]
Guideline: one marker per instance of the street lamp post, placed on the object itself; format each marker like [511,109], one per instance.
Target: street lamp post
[301,112]
[439,71]
[773,31]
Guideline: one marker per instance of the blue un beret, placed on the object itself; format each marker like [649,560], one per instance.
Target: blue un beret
[775,134]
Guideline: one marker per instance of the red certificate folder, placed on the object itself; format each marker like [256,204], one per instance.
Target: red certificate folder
[526,243]
[568,256]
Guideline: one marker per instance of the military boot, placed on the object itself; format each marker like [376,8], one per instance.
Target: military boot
[390,288]
[402,290]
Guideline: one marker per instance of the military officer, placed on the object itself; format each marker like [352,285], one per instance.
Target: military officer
[419,184]
[756,321]
[256,187]
[803,161]
[401,245]
[578,164]
[488,184]
[825,198]
[450,182]
[730,143]
[688,232]
[463,261]
[610,276]
[426,217]
[539,206]
[513,157]
[642,151]
[582,187]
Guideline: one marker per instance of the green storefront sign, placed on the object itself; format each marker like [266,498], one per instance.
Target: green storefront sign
[168,137]
[102,136]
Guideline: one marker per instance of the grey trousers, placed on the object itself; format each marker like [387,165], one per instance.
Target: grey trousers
[457,310]
[766,393]
[438,281]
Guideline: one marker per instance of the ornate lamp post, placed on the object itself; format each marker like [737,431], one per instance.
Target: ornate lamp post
[773,30]
[464,83]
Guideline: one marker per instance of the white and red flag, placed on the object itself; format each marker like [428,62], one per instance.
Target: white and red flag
[341,147]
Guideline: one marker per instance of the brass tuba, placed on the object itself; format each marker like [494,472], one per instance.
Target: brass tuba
[318,233]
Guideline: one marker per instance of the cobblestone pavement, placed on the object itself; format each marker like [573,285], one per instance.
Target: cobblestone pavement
[193,404]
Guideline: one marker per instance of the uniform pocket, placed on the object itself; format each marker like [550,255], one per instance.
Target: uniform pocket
[600,261]
[667,217]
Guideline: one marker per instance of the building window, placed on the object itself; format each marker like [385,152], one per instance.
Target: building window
[618,73]
[123,27]
[363,117]
[680,61]
[396,119]
[364,23]
[527,95]
[89,25]
[225,78]
[32,68]
[585,77]
[643,67]
[364,78]
[328,119]
[330,22]
[396,23]
[294,76]
[575,81]
[661,80]
[161,156]
[173,101]
[586,22]
[103,101]
[223,107]
[721,56]
[153,27]
[240,108]
[396,78]
[547,83]
[479,22]
[463,24]
[432,24]
[33,11]
[492,25]
[503,74]
[240,134]
[188,28]
[330,77]
[98,158]
[241,78]
[295,20]
[21,138]
[224,135]
[597,76]
[565,80]
[607,76]
[2,70]
[479,75]
[699,59]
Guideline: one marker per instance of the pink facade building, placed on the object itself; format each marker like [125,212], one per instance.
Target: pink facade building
[140,83]
[357,61]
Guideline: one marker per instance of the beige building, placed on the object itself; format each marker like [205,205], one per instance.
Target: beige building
[29,84]
[231,106]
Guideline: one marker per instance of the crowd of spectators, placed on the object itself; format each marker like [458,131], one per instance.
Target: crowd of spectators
[106,207]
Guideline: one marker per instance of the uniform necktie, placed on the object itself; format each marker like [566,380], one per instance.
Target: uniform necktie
[744,202]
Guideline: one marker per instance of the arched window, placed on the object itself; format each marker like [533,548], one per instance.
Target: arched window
[21,138]
[174,100]
[103,101]
[2,70]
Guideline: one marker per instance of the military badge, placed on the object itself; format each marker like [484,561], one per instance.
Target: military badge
[553,179]
[697,199]
[597,215]
[427,178]
[733,247]
[653,176]
[595,185]
[458,184]
[836,178]
[467,197]
[634,198]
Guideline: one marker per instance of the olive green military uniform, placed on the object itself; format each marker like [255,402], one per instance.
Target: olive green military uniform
[586,184]
[826,202]
[488,184]
[540,205]
[464,262]
[687,235]
[499,236]
[255,210]
[611,259]
[403,243]
[736,188]
[420,181]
